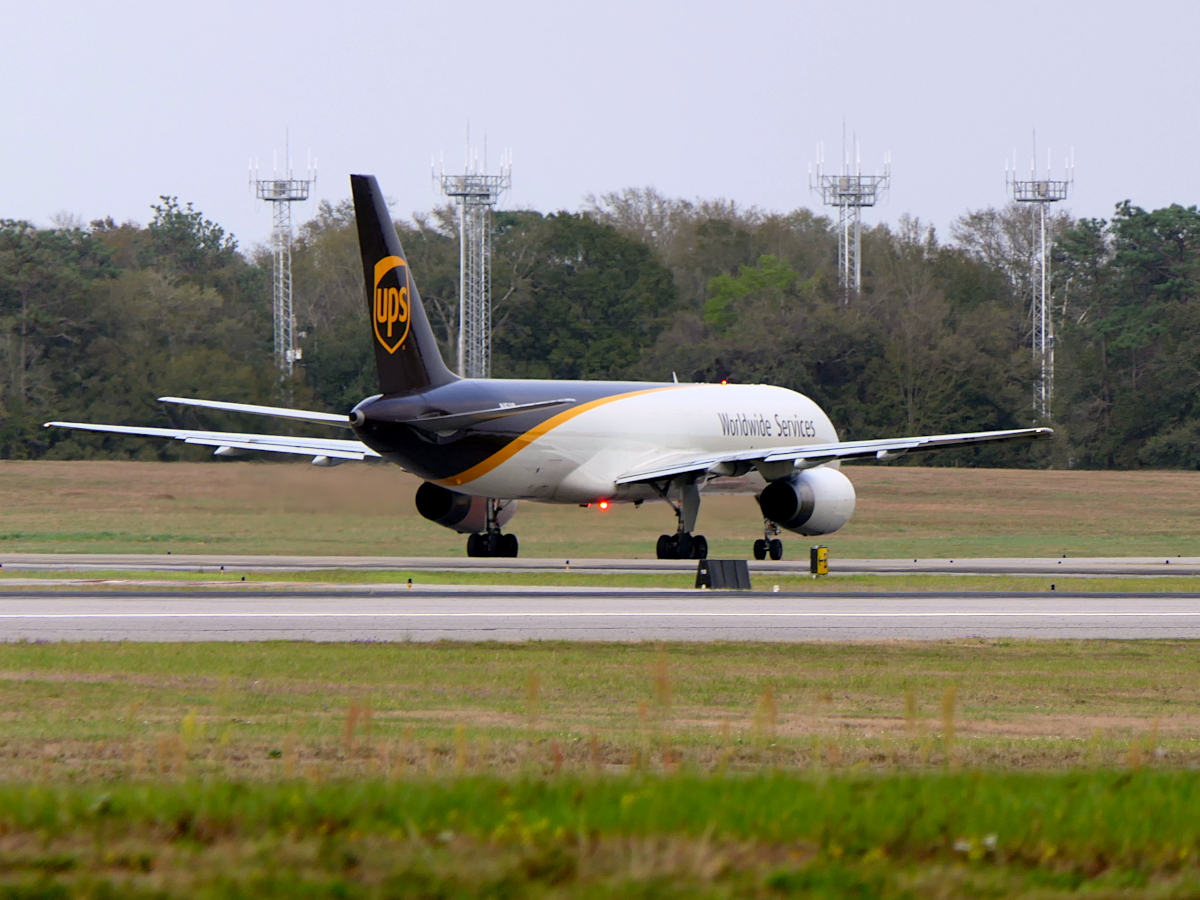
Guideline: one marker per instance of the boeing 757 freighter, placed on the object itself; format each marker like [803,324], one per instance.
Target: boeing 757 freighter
[480,445]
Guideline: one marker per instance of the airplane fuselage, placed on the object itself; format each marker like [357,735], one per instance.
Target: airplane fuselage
[575,453]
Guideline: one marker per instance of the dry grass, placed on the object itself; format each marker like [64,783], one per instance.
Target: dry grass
[82,712]
[294,508]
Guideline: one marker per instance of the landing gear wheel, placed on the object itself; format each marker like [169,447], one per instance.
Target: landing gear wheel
[494,544]
[477,545]
[760,548]
[775,548]
[683,546]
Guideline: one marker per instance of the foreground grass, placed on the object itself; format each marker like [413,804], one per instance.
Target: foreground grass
[77,713]
[358,510]
[887,770]
[1133,835]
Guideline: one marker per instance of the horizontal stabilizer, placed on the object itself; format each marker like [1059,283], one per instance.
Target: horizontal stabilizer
[269,443]
[299,415]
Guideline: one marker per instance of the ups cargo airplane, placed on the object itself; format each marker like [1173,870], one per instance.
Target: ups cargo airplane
[482,444]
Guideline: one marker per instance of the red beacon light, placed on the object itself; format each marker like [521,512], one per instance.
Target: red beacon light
[603,504]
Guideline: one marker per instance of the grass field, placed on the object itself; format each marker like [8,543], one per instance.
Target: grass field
[88,712]
[958,769]
[250,507]
[1127,835]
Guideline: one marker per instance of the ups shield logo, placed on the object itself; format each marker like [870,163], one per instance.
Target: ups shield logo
[393,290]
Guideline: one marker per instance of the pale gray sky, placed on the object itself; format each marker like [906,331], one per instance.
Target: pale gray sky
[106,105]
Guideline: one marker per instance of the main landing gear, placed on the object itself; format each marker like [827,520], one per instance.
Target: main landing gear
[769,544]
[682,544]
[493,543]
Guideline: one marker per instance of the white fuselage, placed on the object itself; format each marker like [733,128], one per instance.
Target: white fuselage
[579,458]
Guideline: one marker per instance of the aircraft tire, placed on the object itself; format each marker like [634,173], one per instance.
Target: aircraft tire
[760,549]
[683,547]
[509,546]
[699,547]
[775,548]
[665,548]
[476,546]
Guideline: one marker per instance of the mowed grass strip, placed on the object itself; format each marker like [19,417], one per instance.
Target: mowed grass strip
[114,711]
[356,510]
[1134,834]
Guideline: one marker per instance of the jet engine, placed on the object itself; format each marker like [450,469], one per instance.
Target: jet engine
[815,501]
[461,512]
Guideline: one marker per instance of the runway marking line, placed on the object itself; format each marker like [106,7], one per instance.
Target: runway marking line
[607,615]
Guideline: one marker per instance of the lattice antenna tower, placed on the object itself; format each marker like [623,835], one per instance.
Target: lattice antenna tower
[1042,191]
[850,191]
[476,193]
[281,190]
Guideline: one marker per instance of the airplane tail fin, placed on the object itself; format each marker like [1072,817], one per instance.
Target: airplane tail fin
[406,352]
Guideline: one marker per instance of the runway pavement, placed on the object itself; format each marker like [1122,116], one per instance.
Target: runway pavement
[390,613]
[1107,566]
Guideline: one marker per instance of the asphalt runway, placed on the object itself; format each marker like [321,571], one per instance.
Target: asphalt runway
[164,562]
[379,613]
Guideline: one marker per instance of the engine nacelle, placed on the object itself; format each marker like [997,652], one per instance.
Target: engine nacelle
[461,512]
[815,501]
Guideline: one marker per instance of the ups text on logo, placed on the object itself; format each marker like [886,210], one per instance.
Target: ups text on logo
[391,302]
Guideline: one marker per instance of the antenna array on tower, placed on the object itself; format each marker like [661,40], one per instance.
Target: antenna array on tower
[476,193]
[1043,191]
[281,190]
[849,192]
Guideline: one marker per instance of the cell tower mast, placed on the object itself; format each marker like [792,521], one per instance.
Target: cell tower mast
[1041,191]
[281,190]
[849,192]
[476,193]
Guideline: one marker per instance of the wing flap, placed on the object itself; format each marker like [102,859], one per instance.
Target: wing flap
[276,448]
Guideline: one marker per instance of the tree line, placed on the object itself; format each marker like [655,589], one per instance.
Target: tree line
[98,320]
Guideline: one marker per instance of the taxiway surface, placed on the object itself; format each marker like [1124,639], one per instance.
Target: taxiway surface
[165,562]
[383,613]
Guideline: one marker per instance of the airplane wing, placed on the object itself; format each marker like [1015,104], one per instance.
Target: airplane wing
[329,448]
[809,455]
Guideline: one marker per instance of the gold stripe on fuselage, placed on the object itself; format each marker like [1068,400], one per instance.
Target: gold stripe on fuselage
[508,451]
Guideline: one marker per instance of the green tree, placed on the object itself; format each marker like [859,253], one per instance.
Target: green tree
[768,276]
[591,302]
